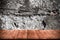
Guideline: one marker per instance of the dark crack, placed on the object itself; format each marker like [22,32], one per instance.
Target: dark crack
[16,25]
[44,24]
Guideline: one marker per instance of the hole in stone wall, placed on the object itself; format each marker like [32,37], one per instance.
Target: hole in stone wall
[16,25]
[44,24]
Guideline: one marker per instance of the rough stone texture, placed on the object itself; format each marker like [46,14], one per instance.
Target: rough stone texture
[19,22]
[29,14]
[53,22]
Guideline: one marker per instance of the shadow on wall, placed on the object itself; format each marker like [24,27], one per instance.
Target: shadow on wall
[0,24]
[3,3]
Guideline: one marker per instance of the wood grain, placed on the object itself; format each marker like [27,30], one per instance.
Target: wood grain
[13,34]
[29,34]
[43,34]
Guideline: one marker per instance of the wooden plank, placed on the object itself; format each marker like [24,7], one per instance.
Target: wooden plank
[13,34]
[43,34]
[29,34]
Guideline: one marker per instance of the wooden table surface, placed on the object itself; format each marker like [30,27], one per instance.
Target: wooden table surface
[29,34]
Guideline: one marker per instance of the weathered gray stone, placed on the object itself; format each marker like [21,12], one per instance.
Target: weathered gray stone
[32,6]
[14,22]
[52,22]
[29,14]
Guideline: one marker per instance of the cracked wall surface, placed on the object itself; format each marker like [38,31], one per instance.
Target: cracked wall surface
[29,14]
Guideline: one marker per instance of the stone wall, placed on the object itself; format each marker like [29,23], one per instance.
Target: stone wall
[28,15]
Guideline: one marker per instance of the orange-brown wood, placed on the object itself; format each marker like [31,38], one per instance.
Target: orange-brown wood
[13,34]
[29,34]
[43,34]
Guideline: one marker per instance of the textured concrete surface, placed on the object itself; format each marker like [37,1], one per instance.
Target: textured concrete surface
[14,22]
[28,15]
